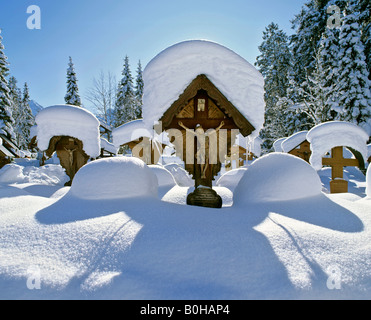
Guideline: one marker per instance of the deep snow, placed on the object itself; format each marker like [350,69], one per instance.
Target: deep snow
[145,248]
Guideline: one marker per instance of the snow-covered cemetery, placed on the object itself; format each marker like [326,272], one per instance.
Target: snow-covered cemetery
[205,177]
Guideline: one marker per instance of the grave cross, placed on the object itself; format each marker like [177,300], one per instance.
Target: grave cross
[337,163]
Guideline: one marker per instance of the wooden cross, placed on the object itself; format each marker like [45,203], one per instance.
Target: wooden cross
[337,163]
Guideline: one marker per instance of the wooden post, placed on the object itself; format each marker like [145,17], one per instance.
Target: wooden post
[337,163]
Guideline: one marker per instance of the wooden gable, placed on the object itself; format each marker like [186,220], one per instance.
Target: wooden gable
[209,113]
[302,151]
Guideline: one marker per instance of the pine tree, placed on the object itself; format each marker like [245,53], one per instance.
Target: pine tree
[328,71]
[353,84]
[72,96]
[6,118]
[313,95]
[15,95]
[139,91]
[274,64]
[365,21]
[125,102]
[309,24]
[25,120]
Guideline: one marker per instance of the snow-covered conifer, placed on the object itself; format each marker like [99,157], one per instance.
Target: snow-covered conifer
[72,96]
[353,84]
[25,120]
[125,102]
[328,70]
[139,85]
[6,118]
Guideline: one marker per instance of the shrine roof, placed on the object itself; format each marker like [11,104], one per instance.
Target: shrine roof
[293,141]
[168,75]
[68,120]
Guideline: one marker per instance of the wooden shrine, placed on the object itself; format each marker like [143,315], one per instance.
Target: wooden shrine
[337,163]
[302,151]
[146,149]
[8,150]
[70,153]
[208,122]
[238,155]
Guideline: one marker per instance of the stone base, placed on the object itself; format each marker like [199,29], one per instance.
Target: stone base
[338,186]
[204,197]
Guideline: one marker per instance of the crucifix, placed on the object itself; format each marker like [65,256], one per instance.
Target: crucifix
[203,145]
[337,163]
[202,125]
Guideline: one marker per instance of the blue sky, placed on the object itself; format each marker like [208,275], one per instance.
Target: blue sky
[98,34]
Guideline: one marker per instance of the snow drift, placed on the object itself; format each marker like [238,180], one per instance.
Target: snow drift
[277,177]
[48,174]
[114,178]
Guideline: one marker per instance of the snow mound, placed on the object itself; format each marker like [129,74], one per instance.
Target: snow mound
[168,74]
[114,178]
[48,174]
[181,176]
[293,141]
[277,177]
[328,135]
[231,178]
[164,176]
[67,120]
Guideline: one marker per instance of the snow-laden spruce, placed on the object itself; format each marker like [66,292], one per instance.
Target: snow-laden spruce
[6,118]
[168,74]
[72,96]
[328,135]
[67,120]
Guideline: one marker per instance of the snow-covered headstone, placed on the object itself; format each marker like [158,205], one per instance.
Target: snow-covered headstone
[333,136]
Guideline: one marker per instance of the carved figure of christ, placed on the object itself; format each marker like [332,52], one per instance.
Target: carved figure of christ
[203,144]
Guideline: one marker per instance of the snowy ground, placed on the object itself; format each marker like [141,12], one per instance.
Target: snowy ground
[148,248]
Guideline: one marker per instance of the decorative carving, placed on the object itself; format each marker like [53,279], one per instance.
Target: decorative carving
[214,112]
[188,112]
